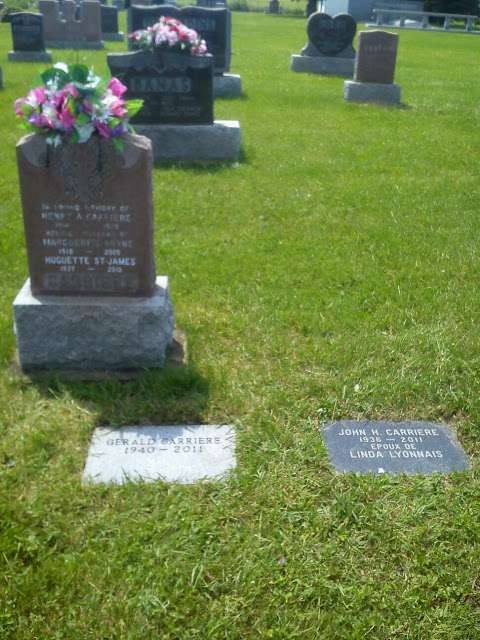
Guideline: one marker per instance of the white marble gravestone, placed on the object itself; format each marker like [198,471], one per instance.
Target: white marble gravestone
[182,453]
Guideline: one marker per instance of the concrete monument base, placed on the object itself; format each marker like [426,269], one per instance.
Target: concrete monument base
[93,333]
[371,92]
[323,65]
[113,37]
[193,143]
[227,85]
[75,44]
[29,56]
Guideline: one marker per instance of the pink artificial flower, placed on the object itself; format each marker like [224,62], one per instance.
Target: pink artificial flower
[117,87]
[71,89]
[118,109]
[41,121]
[66,117]
[103,129]
[87,107]
[18,104]
[39,94]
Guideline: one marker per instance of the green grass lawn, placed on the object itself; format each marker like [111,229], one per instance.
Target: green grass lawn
[333,273]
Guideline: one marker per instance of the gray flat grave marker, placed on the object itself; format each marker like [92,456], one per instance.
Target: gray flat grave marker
[183,454]
[393,447]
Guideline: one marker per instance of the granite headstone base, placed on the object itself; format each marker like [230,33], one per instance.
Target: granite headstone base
[75,44]
[93,333]
[371,92]
[227,85]
[113,37]
[29,56]
[193,143]
[323,65]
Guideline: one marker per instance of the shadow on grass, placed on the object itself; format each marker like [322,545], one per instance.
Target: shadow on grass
[206,167]
[173,395]
[241,98]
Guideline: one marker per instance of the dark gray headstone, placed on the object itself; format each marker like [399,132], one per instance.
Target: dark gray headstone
[176,88]
[27,31]
[213,25]
[109,19]
[393,447]
[329,36]
[376,57]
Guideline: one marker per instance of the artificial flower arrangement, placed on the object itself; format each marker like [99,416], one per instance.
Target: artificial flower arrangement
[73,104]
[169,33]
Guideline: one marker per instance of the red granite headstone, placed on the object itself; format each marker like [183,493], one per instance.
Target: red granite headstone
[376,57]
[88,216]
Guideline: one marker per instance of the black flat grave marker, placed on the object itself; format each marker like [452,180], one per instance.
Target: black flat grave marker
[393,447]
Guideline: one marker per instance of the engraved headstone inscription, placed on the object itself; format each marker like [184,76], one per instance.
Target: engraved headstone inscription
[176,88]
[27,36]
[393,447]
[213,25]
[183,454]
[329,50]
[88,218]
[376,57]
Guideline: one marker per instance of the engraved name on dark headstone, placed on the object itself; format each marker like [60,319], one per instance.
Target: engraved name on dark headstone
[88,218]
[329,36]
[213,25]
[376,57]
[176,88]
[109,17]
[27,31]
[393,447]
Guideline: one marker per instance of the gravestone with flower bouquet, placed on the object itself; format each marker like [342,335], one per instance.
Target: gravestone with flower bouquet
[93,301]
[172,73]
[215,26]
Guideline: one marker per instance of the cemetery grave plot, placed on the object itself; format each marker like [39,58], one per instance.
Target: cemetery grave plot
[332,274]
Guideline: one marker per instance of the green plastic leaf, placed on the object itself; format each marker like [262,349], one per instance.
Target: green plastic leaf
[133,107]
[56,75]
[79,73]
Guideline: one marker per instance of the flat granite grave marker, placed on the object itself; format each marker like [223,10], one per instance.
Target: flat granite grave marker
[27,37]
[214,25]
[184,454]
[109,17]
[393,447]
[329,50]
[374,69]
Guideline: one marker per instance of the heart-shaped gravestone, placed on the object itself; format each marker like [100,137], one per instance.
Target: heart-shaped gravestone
[331,35]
